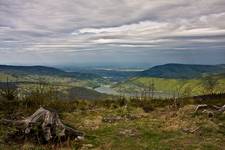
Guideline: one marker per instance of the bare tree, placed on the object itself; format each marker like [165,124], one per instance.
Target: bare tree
[120,92]
[151,88]
[8,90]
[209,84]
[187,91]
[40,94]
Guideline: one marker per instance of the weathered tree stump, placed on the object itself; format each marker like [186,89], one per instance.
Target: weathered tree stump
[49,126]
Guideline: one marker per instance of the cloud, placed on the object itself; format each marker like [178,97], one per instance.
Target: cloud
[141,26]
[54,27]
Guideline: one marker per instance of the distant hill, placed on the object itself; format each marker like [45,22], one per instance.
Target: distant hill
[43,70]
[38,70]
[109,74]
[84,93]
[182,71]
[115,75]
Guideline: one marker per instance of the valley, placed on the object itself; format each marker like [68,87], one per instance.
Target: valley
[166,81]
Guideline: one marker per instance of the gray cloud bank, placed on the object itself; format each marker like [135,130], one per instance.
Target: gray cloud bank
[104,31]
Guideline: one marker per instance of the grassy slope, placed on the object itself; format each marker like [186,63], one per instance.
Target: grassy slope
[56,80]
[168,85]
[161,129]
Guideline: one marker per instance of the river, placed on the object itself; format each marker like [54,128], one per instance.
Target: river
[107,90]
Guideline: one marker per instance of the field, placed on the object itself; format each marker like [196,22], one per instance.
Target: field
[129,127]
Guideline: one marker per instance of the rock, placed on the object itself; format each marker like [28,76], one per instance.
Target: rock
[112,119]
[87,146]
[129,132]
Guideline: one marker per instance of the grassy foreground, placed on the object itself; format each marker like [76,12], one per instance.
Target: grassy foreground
[160,129]
[112,125]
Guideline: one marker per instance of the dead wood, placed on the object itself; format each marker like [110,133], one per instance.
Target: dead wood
[190,130]
[222,109]
[48,123]
[210,109]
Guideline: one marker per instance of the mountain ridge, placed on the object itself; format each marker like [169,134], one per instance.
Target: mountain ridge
[44,70]
[170,70]
[182,71]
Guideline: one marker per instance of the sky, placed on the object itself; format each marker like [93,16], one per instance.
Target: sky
[104,32]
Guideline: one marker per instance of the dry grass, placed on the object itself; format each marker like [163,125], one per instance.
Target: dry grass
[162,128]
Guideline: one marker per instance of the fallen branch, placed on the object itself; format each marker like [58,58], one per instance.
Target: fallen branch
[190,130]
[222,109]
[210,109]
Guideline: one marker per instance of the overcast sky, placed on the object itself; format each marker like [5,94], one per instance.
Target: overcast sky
[57,32]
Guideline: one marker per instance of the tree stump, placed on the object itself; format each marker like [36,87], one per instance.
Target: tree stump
[49,125]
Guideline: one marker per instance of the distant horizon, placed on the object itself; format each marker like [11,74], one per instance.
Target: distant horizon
[104,66]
